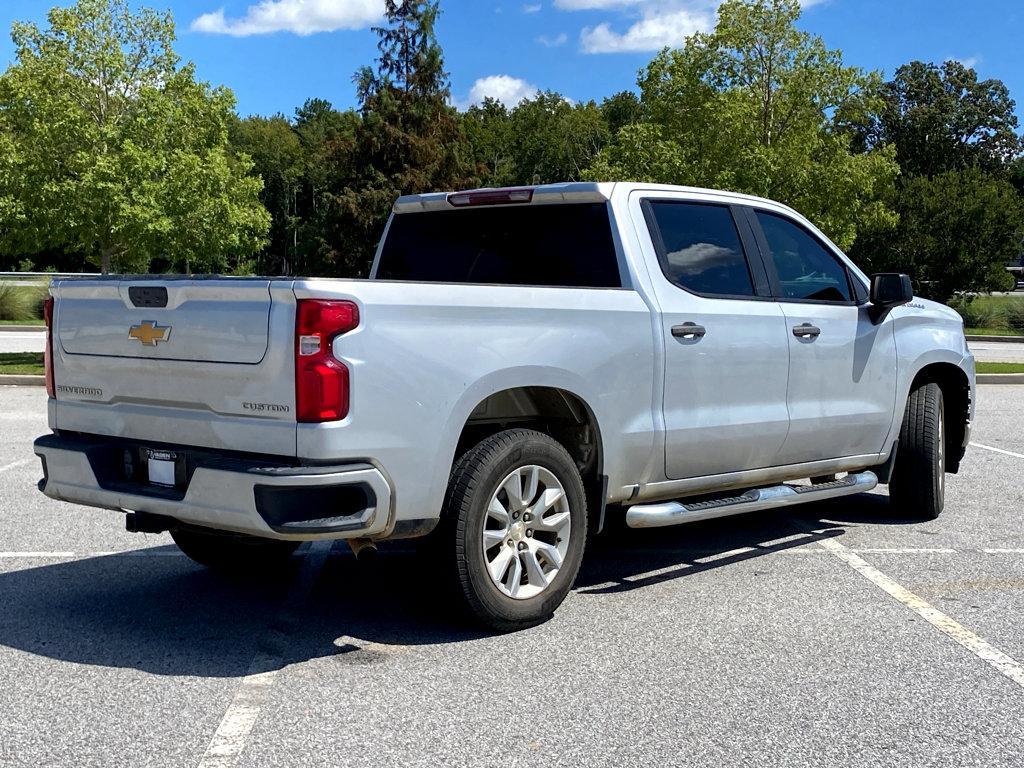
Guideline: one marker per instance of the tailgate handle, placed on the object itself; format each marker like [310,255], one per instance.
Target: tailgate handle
[148,296]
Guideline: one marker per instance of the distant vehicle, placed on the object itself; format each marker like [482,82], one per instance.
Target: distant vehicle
[522,365]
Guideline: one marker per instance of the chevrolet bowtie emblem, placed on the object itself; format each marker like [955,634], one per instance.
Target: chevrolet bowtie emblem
[149,332]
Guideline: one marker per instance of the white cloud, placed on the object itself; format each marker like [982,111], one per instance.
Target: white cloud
[970,61]
[505,88]
[532,8]
[651,33]
[595,5]
[553,42]
[652,24]
[302,17]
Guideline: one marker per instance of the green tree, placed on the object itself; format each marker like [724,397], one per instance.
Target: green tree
[758,106]
[960,213]
[409,139]
[1017,174]
[114,149]
[555,140]
[621,109]
[942,118]
[541,140]
[488,131]
[957,231]
[279,158]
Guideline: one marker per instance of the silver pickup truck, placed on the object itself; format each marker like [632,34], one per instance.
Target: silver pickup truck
[521,365]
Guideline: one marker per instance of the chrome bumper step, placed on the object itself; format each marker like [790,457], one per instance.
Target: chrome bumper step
[672,513]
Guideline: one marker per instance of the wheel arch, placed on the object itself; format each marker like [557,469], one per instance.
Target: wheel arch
[554,408]
[955,385]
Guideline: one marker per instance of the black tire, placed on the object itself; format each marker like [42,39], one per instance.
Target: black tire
[458,540]
[917,488]
[232,553]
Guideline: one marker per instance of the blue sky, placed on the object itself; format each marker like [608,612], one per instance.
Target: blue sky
[275,53]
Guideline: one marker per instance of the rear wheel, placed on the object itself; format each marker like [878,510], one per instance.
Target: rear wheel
[232,552]
[513,528]
[918,484]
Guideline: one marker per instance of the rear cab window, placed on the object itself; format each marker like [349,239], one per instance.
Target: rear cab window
[567,244]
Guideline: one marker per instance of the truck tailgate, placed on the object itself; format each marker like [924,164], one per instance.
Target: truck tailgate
[179,361]
[215,321]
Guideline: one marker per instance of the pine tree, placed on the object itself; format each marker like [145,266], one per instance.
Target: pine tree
[410,139]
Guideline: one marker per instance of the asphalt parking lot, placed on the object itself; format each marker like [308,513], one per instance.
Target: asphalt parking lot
[833,634]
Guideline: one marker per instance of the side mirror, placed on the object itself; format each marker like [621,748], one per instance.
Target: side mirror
[888,290]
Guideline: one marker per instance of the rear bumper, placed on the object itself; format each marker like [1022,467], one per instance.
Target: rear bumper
[230,493]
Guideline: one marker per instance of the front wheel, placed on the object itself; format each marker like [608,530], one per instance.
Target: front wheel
[232,552]
[918,484]
[513,528]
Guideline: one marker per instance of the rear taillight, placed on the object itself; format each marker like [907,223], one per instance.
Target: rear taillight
[321,380]
[51,389]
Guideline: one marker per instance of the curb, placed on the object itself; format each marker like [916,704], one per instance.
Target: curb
[1002,379]
[984,338]
[35,380]
[23,328]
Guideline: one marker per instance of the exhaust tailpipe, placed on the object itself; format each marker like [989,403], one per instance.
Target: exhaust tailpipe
[363,549]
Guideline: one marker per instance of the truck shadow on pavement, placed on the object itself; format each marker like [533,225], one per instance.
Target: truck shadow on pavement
[157,612]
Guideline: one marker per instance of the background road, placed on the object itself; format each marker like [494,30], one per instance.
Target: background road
[998,352]
[22,341]
[795,637]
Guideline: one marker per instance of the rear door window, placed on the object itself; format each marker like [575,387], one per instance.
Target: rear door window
[530,245]
[699,248]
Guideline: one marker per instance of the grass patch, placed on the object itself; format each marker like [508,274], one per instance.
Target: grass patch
[29,322]
[21,363]
[992,332]
[992,315]
[1000,368]
[19,304]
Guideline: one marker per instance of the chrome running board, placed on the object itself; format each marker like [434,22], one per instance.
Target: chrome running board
[672,513]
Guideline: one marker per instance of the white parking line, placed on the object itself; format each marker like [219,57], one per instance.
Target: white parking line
[229,740]
[36,554]
[997,451]
[977,645]
[19,463]
[66,554]
[902,550]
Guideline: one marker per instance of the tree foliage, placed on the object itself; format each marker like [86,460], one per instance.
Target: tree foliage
[960,213]
[539,141]
[942,118]
[957,231]
[295,160]
[752,107]
[112,149]
[409,139]
[620,110]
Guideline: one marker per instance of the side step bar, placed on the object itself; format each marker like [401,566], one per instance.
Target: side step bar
[672,513]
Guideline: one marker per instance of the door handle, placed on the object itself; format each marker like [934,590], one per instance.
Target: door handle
[806,331]
[688,330]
